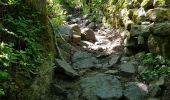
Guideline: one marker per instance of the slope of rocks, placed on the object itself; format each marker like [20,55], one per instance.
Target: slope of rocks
[96,68]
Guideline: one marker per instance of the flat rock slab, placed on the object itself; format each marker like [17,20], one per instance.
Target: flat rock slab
[101,87]
[115,59]
[127,68]
[83,60]
[67,68]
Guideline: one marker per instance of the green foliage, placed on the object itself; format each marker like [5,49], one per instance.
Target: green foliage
[56,12]
[10,2]
[92,6]
[3,75]
[2,93]
[6,55]
[20,53]
[156,66]
[26,30]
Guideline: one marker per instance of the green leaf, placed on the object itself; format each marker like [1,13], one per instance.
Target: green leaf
[4,75]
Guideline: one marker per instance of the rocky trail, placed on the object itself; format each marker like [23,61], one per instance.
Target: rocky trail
[96,67]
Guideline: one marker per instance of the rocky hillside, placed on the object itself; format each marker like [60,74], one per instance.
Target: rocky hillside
[145,23]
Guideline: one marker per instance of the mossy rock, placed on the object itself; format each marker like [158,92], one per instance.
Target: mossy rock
[158,14]
[161,29]
[161,3]
[158,3]
[143,30]
[153,44]
[159,45]
[66,55]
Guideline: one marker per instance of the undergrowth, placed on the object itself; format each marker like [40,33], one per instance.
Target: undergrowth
[156,66]
[20,51]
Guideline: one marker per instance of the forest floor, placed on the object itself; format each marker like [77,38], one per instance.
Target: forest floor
[99,69]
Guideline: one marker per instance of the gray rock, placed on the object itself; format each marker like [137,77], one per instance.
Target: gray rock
[85,63]
[111,72]
[67,47]
[70,31]
[65,30]
[101,87]
[67,68]
[128,68]
[114,59]
[88,34]
[92,25]
[80,55]
[133,91]
[83,60]
[125,59]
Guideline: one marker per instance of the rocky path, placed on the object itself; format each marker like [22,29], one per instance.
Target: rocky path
[97,68]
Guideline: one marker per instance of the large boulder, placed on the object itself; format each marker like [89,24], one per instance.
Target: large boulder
[161,29]
[127,68]
[143,30]
[158,14]
[88,34]
[101,87]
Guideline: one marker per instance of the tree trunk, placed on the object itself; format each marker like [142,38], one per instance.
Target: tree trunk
[40,87]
